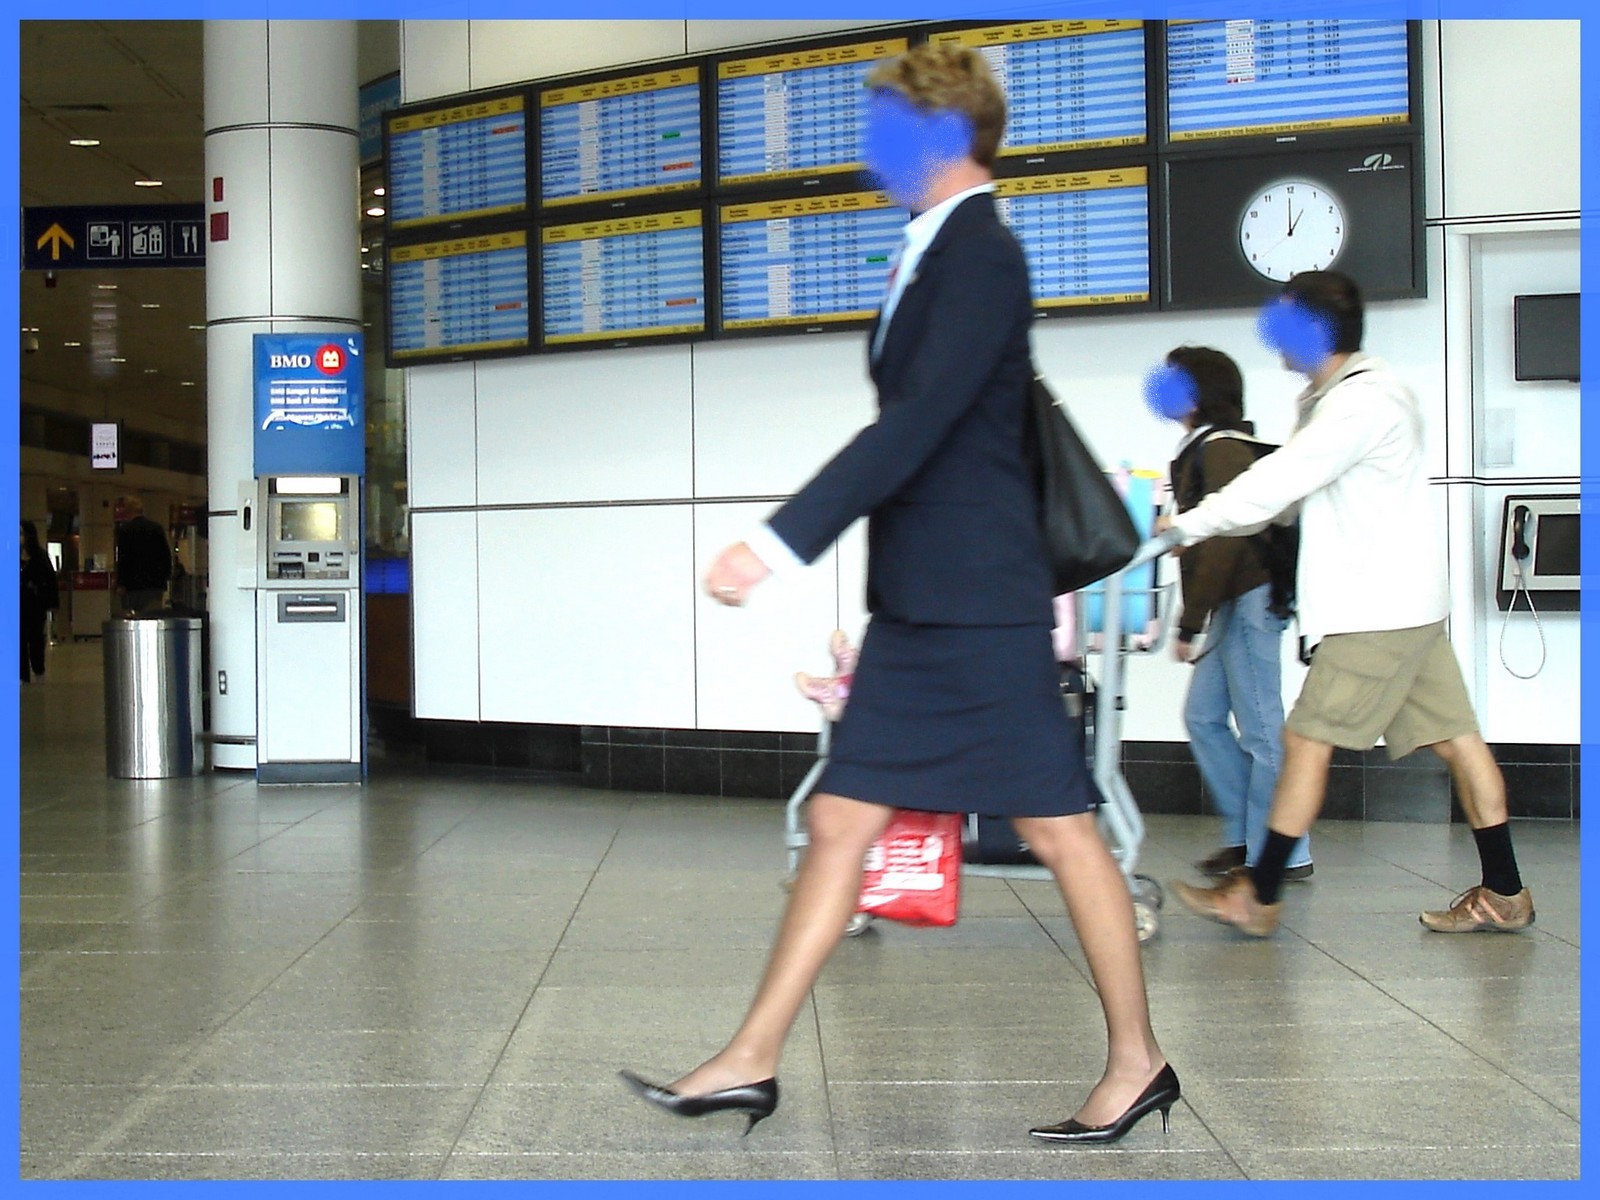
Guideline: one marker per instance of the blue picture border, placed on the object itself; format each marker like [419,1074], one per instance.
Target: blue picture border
[842,10]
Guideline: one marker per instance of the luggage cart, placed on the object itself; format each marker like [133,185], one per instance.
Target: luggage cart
[1101,706]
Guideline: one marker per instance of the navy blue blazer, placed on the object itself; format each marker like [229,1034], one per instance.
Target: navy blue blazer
[953,531]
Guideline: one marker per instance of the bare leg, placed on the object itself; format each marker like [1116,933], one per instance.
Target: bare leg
[1302,785]
[1478,780]
[840,831]
[1102,914]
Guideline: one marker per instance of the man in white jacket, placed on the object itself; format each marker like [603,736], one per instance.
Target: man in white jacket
[1372,600]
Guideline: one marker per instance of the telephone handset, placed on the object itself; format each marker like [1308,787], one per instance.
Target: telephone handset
[1519,533]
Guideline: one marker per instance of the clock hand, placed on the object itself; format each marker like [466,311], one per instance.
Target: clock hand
[1288,210]
[1295,222]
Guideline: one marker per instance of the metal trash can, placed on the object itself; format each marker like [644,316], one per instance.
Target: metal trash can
[155,719]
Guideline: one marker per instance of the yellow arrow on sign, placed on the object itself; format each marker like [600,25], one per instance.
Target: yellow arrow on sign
[55,235]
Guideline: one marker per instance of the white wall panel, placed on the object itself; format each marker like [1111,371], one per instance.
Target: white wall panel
[593,425]
[444,615]
[768,412]
[514,51]
[746,657]
[434,59]
[588,615]
[1510,101]
[717,35]
[1522,428]
[441,442]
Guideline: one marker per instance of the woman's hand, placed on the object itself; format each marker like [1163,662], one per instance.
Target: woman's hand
[734,574]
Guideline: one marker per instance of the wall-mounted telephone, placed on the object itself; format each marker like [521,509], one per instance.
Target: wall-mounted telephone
[1538,558]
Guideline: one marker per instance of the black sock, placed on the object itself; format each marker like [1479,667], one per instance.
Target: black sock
[1268,871]
[1499,861]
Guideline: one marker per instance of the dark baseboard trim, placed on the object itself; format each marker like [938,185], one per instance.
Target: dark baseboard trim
[1542,781]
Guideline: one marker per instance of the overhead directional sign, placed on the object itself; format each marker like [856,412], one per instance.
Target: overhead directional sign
[113,236]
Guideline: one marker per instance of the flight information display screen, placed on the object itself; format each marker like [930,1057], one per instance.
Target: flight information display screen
[797,113]
[458,298]
[1086,235]
[623,279]
[638,135]
[1237,78]
[460,162]
[810,261]
[1069,85]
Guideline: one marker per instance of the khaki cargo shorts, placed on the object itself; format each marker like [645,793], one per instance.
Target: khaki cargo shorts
[1402,685]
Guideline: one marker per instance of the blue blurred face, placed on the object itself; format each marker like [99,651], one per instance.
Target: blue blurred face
[1304,338]
[906,148]
[1171,392]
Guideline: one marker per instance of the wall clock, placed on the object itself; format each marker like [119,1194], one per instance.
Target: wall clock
[1236,226]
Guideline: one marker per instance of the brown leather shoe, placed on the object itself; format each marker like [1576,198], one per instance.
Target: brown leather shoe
[1232,902]
[1478,908]
[1221,861]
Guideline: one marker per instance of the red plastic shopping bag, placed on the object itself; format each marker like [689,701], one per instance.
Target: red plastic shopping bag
[913,871]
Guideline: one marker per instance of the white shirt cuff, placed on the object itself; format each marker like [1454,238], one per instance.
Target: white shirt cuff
[772,550]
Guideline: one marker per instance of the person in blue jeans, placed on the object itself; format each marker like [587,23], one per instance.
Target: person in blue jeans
[1234,706]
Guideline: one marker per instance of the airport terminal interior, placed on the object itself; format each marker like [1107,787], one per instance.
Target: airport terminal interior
[439,974]
[436,971]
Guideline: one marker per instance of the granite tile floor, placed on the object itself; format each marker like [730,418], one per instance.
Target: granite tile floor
[437,976]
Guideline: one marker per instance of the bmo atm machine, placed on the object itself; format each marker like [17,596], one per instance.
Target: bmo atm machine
[310,456]
[308,630]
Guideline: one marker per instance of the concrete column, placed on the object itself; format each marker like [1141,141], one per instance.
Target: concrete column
[283,256]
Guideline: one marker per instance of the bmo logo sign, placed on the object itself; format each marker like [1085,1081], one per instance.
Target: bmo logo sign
[329,359]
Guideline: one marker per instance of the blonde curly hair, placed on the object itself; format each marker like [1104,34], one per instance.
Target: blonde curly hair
[943,78]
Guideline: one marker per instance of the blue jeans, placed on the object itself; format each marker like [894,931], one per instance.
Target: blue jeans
[1240,674]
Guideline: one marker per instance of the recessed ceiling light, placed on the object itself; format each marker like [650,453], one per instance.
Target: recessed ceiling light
[380,191]
[149,306]
[117,360]
[72,344]
[186,383]
[375,211]
[83,142]
[147,183]
[197,327]
[149,370]
[106,287]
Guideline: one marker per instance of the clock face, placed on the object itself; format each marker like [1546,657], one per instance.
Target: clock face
[1290,226]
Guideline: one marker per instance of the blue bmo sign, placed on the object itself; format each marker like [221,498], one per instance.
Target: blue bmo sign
[309,416]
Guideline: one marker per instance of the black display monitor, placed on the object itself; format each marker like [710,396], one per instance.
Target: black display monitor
[1087,237]
[794,115]
[459,298]
[805,264]
[1070,86]
[457,160]
[621,139]
[1251,78]
[1545,333]
[623,281]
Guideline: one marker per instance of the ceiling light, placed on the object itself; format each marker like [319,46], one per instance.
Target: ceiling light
[83,142]
[380,191]
[74,345]
[197,327]
[149,306]
[147,183]
[186,383]
[149,370]
[114,359]
[106,287]
[375,211]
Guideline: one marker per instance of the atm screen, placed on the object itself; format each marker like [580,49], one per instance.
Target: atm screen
[308,521]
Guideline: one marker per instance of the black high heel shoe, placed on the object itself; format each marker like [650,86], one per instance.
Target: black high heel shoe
[756,1100]
[1162,1093]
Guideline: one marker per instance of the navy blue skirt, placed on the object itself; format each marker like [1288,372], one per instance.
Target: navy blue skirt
[950,718]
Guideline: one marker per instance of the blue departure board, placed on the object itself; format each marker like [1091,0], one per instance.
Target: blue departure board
[1069,85]
[787,115]
[1237,78]
[637,135]
[811,261]
[1086,235]
[623,278]
[460,297]
[460,162]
